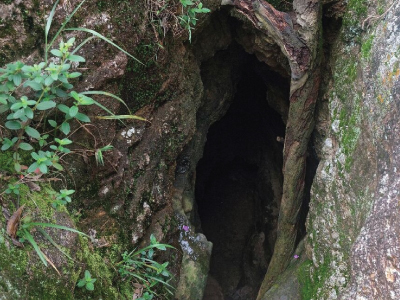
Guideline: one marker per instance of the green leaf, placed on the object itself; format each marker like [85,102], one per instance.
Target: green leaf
[82,117]
[28,112]
[63,78]
[3,99]
[84,100]
[13,125]
[90,286]
[81,283]
[32,132]
[46,105]
[43,168]
[73,111]
[65,128]
[17,167]
[58,166]
[65,67]
[3,108]
[52,123]
[25,146]
[61,93]
[48,81]
[87,273]
[19,114]
[186,2]
[75,58]
[74,75]
[71,41]
[17,79]
[54,76]
[63,108]
[56,52]
[33,167]
[34,85]
[74,95]
[27,69]
[5,147]
[63,142]
[16,106]
[35,155]
[67,85]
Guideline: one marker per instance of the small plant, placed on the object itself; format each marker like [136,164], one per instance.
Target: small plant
[62,198]
[174,15]
[87,281]
[188,16]
[140,267]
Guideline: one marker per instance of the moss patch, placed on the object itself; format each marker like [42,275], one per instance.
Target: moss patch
[312,279]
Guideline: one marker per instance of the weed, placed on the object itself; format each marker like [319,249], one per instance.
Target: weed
[149,277]
[87,281]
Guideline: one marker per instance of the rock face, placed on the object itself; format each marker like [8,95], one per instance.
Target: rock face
[353,227]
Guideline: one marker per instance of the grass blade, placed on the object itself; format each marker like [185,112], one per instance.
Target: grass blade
[107,94]
[160,281]
[82,44]
[48,25]
[149,247]
[106,110]
[30,239]
[105,39]
[58,227]
[47,236]
[120,117]
[136,276]
[64,24]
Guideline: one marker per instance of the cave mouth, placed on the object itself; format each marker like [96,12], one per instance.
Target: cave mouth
[239,183]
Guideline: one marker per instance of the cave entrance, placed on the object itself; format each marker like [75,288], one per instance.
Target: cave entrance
[239,183]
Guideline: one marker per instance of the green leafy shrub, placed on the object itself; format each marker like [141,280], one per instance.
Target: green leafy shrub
[39,103]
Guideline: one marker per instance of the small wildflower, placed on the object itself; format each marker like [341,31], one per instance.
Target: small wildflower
[296,256]
[185,227]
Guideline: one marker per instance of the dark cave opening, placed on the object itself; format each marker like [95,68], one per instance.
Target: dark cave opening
[239,183]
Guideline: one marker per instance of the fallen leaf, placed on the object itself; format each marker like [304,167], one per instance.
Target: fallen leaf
[12,223]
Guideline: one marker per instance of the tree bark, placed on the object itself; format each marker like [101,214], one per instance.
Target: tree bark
[298,36]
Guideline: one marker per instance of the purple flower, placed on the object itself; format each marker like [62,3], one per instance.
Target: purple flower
[296,256]
[185,227]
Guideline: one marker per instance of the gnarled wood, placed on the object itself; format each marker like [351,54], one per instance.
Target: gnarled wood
[297,34]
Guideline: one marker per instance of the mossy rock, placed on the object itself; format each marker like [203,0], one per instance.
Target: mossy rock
[24,276]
